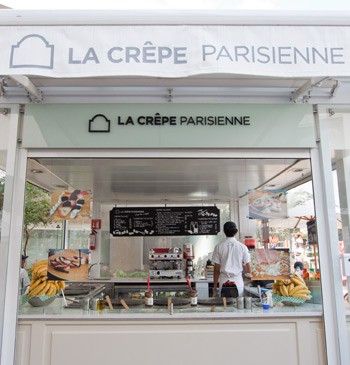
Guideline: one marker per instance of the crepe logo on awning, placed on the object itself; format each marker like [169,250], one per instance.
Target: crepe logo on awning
[99,123]
[32,51]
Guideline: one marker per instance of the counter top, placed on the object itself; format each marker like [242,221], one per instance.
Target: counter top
[144,281]
[56,311]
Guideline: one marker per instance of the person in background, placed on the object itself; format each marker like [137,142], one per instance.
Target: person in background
[23,275]
[299,267]
[231,258]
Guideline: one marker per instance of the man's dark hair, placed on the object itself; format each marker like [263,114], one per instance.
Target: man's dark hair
[230,229]
[298,264]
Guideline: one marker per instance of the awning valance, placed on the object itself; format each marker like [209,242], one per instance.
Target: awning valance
[175,51]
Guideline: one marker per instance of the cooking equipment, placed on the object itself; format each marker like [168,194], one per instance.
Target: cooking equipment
[165,263]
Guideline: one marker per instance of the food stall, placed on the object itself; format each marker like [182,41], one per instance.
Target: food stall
[139,186]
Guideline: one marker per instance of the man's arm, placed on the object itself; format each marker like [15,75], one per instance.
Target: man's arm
[216,277]
[247,270]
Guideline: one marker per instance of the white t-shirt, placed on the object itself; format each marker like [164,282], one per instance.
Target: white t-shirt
[231,255]
[24,279]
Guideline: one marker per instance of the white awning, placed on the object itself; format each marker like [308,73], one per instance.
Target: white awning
[155,56]
[175,51]
[156,46]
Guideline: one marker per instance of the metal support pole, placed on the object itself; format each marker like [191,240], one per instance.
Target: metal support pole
[65,235]
[337,344]
[11,240]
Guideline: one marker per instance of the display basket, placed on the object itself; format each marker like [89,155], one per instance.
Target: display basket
[41,301]
[291,301]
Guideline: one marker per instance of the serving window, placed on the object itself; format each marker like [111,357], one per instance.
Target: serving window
[75,245]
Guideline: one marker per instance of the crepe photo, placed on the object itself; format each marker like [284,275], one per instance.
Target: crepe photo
[266,204]
[70,205]
[270,264]
[71,265]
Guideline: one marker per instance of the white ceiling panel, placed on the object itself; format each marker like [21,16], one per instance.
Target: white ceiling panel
[174,180]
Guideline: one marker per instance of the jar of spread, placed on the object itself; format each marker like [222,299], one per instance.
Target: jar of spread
[149,298]
[194,297]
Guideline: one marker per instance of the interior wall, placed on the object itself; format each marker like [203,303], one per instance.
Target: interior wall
[247,227]
[126,253]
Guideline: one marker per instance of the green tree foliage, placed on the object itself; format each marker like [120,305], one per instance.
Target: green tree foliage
[36,211]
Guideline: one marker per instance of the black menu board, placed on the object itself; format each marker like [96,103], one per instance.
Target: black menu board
[165,221]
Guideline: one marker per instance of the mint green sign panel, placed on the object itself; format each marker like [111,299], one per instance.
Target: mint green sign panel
[168,126]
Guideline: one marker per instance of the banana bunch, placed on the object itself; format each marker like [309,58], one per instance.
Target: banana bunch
[40,285]
[294,287]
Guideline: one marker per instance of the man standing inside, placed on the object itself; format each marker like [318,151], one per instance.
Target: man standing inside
[231,259]
[23,275]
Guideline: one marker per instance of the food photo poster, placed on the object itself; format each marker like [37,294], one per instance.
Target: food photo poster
[68,264]
[270,264]
[267,204]
[70,205]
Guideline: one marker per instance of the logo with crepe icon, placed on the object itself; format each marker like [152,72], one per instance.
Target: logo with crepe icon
[32,51]
[99,123]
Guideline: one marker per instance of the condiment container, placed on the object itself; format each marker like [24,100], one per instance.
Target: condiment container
[269,298]
[93,303]
[240,303]
[85,303]
[247,302]
[265,306]
[194,297]
[149,298]
[100,304]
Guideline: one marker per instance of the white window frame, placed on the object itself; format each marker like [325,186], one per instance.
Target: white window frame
[334,313]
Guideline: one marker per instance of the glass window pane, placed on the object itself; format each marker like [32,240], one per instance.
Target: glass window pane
[338,130]
[78,234]
[39,232]
[3,154]
[2,184]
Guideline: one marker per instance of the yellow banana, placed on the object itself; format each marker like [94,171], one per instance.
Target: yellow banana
[38,268]
[284,291]
[298,281]
[37,265]
[35,283]
[295,289]
[53,290]
[37,290]
[40,262]
[41,271]
[61,284]
[290,288]
[46,288]
[302,291]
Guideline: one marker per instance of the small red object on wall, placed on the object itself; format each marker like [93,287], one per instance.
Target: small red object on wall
[96,224]
[92,240]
